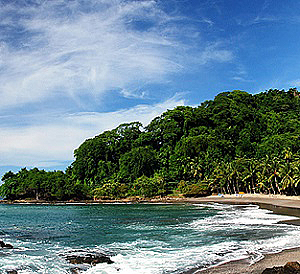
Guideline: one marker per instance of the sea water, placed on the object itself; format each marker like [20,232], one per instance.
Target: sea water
[139,238]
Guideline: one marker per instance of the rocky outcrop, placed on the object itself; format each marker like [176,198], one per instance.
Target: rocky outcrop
[4,245]
[91,259]
[289,268]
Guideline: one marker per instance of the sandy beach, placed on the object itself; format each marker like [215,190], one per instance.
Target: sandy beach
[279,204]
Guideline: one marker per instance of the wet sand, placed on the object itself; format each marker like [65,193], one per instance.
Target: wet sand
[283,205]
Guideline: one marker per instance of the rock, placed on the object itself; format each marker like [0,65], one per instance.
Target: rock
[292,266]
[289,268]
[274,270]
[91,259]
[79,269]
[9,246]
[75,270]
[4,245]
[12,272]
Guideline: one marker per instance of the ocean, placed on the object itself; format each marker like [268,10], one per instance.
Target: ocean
[139,238]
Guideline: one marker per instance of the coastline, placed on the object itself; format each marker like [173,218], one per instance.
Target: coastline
[278,204]
[245,266]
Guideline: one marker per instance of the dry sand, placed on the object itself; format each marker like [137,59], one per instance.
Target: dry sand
[279,204]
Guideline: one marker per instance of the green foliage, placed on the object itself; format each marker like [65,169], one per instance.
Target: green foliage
[111,189]
[98,158]
[237,142]
[189,189]
[137,162]
[197,190]
[38,184]
[149,187]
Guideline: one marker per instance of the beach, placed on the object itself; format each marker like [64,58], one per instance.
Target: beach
[279,204]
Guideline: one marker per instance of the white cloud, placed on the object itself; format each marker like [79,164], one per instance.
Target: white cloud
[214,53]
[67,47]
[242,79]
[295,83]
[97,50]
[53,142]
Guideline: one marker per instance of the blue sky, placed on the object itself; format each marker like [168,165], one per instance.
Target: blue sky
[71,69]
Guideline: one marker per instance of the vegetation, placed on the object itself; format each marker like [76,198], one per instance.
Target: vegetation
[237,142]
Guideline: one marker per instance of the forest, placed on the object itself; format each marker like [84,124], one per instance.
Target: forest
[237,142]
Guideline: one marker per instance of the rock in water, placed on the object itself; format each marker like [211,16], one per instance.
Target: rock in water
[4,245]
[75,270]
[9,246]
[91,259]
[289,268]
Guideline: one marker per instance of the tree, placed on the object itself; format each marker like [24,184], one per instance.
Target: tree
[137,162]
[235,142]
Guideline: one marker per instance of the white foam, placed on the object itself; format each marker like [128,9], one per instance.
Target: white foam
[139,257]
[246,215]
[233,224]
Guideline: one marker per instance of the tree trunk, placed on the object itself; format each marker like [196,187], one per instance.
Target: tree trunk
[234,189]
[276,183]
[228,188]
[252,185]
[274,192]
[37,194]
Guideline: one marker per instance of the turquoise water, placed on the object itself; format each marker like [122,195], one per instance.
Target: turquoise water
[139,238]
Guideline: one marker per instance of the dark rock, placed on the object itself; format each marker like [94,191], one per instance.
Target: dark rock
[75,270]
[289,268]
[4,245]
[12,272]
[292,266]
[91,259]
[79,269]
[274,270]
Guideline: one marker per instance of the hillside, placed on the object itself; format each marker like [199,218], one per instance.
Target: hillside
[236,142]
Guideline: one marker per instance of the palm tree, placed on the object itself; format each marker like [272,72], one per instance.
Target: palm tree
[220,177]
[287,175]
[235,175]
[251,173]
[275,173]
[263,175]
[296,167]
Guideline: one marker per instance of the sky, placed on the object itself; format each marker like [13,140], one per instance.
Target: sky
[70,69]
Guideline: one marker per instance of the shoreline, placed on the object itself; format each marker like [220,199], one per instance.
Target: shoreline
[278,204]
[245,266]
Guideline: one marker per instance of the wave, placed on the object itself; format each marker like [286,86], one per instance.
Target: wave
[191,236]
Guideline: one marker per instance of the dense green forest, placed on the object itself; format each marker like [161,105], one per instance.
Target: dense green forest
[237,142]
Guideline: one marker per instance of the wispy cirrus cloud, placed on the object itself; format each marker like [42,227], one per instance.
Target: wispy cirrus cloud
[92,51]
[214,53]
[66,47]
